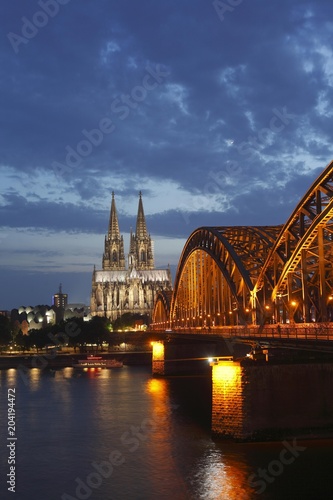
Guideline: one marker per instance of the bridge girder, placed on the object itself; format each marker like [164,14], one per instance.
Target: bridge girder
[235,275]
[161,312]
[218,269]
[298,271]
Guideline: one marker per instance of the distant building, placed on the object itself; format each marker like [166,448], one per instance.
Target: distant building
[37,317]
[116,289]
[78,310]
[60,299]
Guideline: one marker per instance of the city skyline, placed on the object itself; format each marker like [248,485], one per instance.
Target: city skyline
[205,110]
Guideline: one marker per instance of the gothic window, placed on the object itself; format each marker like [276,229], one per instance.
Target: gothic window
[143,256]
[99,296]
[135,294]
[114,256]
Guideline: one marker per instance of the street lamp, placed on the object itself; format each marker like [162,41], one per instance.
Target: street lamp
[293,304]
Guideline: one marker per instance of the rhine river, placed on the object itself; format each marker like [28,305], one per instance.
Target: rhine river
[123,435]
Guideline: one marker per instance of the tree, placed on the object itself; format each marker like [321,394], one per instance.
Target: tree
[5,331]
[96,331]
[129,320]
[23,341]
[38,338]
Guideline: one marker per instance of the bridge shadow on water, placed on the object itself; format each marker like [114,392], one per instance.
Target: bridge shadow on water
[192,396]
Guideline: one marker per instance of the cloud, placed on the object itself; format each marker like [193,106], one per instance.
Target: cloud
[200,144]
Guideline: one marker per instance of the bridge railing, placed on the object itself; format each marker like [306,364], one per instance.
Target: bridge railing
[304,331]
[301,331]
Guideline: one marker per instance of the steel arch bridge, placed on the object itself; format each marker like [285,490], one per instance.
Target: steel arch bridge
[255,275]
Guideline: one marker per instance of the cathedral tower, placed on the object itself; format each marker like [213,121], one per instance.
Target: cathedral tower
[141,243]
[114,256]
[116,290]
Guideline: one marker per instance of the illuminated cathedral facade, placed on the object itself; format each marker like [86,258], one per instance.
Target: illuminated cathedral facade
[119,288]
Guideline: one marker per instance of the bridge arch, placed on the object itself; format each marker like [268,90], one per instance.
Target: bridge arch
[239,275]
[161,312]
[297,275]
[217,272]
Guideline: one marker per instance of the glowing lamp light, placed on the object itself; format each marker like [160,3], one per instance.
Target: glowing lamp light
[158,350]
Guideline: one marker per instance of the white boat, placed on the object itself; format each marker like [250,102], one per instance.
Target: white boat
[97,362]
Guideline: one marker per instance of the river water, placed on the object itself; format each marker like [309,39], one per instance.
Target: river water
[123,435]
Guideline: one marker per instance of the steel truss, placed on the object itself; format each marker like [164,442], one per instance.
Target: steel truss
[216,275]
[161,312]
[298,275]
[256,275]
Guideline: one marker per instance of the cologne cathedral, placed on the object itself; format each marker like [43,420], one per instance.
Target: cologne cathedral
[119,289]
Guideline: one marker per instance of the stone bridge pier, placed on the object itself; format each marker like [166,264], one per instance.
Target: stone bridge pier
[186,356]
[252,401]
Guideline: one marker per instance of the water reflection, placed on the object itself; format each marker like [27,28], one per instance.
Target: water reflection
[158,390]
[216,470]
[65,373]
[161,454]
[218,477]
[34,379]
[75,420]
[10,376]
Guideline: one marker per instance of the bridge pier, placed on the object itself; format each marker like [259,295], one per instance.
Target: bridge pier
[158,363]
[185,356]
[265,401]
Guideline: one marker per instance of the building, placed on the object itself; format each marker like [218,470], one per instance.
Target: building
[60,299]
[27,318]
[119,289]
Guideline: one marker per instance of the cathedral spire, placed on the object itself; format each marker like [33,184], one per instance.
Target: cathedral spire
[141,228]
[132,251]
[114,232]
[114,257]
[144,258]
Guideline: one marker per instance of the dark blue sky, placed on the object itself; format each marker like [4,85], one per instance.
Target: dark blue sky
[220,116]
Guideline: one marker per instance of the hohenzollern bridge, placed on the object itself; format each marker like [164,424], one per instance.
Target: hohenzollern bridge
[256,275]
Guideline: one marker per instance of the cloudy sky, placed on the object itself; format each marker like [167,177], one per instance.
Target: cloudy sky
[219,112]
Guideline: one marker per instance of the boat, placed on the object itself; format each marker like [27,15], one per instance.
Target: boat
[97,362]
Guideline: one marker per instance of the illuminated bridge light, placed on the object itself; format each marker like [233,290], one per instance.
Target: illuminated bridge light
[158,351]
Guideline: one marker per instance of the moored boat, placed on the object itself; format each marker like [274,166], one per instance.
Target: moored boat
[97,362]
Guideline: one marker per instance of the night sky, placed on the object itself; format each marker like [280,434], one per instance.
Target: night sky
[219,112]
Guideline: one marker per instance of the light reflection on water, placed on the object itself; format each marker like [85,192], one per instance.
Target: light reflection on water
[216,477]
[11,377]
[68,420]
